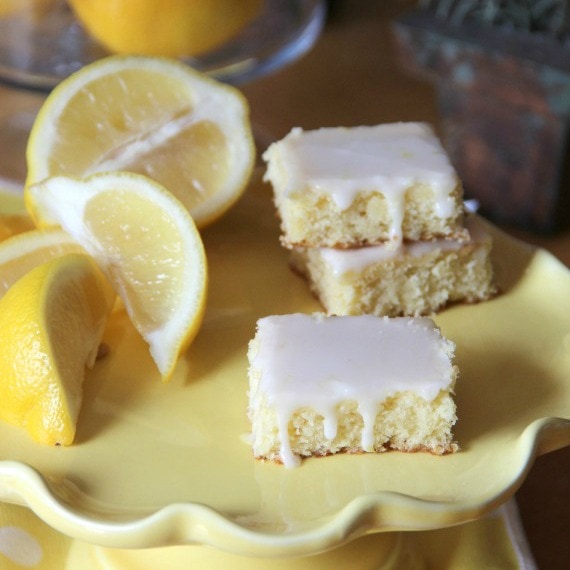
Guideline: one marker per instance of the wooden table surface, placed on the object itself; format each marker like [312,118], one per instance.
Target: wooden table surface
[351,77]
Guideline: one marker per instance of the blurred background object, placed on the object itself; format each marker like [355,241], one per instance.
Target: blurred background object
[171,28]
[43,41]
[501,69]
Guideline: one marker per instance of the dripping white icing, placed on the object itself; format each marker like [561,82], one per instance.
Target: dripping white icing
[319,362]
[389,158]
[344,260]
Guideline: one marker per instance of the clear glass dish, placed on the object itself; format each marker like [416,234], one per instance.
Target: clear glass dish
[38,50]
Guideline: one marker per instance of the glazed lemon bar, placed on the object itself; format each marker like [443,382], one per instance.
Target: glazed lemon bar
[417,278]
[348,187]
[322,385]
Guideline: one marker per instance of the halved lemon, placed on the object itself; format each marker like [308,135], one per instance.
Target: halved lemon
[52,321]
[151,116]
[146,243]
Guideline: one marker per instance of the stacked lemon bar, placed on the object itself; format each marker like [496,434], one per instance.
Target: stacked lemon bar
[375,220]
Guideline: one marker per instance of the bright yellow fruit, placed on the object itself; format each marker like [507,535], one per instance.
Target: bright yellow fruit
[164,27]
[52,321]
[145,242]
[22,252]
[150,116]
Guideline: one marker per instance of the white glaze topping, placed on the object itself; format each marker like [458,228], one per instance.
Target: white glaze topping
[318,362]
[386,158]
[342,261]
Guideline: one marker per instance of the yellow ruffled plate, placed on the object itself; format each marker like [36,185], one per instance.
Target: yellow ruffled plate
[494,541]
[157,464]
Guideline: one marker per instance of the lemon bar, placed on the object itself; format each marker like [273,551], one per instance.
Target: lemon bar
[321,385]
[348,187]
[416,278]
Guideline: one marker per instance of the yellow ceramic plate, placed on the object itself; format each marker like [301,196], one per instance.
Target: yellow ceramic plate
[158,464]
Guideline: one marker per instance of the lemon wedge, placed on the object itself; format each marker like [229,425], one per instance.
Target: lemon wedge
[145,242]
[52,322]
[150,116]
[21,253]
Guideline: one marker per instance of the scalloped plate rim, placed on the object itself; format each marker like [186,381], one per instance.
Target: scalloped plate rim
[352,521]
